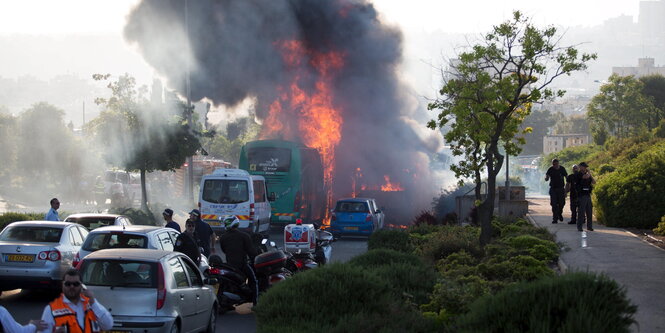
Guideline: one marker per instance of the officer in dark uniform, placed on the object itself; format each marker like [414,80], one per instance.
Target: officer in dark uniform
[584,182]
[556,174]
[186,243]
[239,251]
[572,189]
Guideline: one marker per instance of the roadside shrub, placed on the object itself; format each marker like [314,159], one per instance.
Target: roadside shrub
[381,257]
[514,268]
[395,319]
[453,297]
[605,168]
[575,302]
[397,240]
[425,217]
[660,230]
[632,195]
[540,249]
[317,300]
[448,240]
[10,217]
[411,280]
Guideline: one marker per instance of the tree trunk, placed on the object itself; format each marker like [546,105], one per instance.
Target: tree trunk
[486,209]
[144,193]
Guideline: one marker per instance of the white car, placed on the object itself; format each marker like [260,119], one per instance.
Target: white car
[94,220]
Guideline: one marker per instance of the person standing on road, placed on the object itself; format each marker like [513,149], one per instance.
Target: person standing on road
[584,183]
[186,243]
[9,325]
[239,251]
[52,214]
[204,233]
[168,217]
[556,175]
[76,309]
[572,189]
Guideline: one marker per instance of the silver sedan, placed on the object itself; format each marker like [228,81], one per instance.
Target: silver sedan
[35,254]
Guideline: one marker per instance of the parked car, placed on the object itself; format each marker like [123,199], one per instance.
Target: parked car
[151,290]
[36,254]
[356,216]
[133,236]
[93,221]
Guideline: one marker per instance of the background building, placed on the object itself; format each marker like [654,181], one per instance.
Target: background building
[555,143]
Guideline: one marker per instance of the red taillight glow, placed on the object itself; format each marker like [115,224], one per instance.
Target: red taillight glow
[161,288]
[77,261]
[299,264]
[53,255]
[298,221]
[368,218]
[251,211]
[213,271]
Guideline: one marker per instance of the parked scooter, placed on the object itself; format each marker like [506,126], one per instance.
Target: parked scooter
[232,288]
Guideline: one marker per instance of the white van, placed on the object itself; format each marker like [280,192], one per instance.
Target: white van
[235,192]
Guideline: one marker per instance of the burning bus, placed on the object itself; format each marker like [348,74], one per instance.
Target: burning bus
[294,173]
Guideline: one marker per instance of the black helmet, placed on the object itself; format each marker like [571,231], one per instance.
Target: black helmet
[215,260]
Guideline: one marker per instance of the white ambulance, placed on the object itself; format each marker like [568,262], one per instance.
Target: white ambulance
[235,192]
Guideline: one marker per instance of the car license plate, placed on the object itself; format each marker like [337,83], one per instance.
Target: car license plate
[20,257]
[216,224]
[350,228]
[285,218]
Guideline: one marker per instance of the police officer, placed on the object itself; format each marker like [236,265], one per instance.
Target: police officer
[584,182]
[572,189]
[556,175]
[187,244]
[204,234]
[238,248]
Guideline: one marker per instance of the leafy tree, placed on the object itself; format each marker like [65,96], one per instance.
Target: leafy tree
[489,94]
[574,124]
[654,89]
[8,147]
[539,121]
[621,109]
[140,137]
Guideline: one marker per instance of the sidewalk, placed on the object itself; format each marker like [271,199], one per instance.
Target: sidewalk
[624,257]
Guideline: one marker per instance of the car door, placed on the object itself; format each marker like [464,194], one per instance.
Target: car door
[202,295]
[379,214]
[184,296]
[164,241]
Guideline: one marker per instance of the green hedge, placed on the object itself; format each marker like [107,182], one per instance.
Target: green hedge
[10,217]
[576,302]
[632,196]
[397,240]
[660,229]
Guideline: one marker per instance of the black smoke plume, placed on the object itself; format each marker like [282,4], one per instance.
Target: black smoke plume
[234,49]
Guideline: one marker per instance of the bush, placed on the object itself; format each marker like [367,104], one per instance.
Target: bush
[543,250]
[448,240]
[576,302]
[454,297]
[10,217]
[660,230]
[319,299]
[514,268]
[632,195]
[397,240]
[381,257]
[395,319]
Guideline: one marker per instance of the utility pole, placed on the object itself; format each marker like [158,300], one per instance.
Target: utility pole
[190,109]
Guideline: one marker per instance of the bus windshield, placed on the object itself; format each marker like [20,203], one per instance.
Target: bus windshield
[226,191]
[269,159]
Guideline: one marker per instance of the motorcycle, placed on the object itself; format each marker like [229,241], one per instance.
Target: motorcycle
[308,245]
[232,288]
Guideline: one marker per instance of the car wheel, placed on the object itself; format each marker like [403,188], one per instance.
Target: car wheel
[175,328]
[213,320]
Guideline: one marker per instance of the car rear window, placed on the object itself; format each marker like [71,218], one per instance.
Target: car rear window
[92,223]
[119,273]
[351,207]
[31,234]
[106,240]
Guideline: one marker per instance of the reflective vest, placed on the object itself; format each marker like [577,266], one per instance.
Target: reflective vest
[64,315]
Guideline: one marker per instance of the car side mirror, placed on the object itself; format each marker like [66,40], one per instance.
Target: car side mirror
[211,281]
[378,211]
[272,197]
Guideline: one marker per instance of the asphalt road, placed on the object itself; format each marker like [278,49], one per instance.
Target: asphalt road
[25,305]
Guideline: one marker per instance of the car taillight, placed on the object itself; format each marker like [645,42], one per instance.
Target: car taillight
[79,265]
[53,255]
[213,271]
[161,288]
[76,261]
[299,263]
[368,218]
[251,211]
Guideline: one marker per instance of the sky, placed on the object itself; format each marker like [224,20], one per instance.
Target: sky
[472,16]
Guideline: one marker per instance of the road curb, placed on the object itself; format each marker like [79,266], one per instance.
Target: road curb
[560,263]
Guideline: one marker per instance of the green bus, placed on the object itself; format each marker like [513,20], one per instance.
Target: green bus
[294,175]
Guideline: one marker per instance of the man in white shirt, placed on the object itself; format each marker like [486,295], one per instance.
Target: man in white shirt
[76,308]
[11,326]
[52,214]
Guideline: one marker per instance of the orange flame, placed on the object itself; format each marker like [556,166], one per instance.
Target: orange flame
[319,122]
[390,187]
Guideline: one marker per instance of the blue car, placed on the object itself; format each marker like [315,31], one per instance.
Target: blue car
[355,217]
